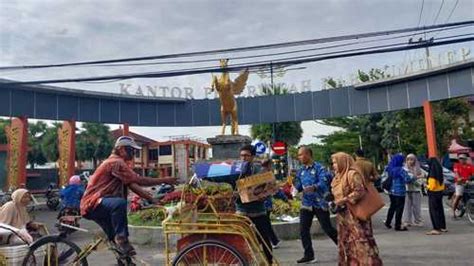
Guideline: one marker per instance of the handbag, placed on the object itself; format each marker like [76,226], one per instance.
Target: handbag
[369,204]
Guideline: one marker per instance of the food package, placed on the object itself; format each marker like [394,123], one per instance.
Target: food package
[257,187]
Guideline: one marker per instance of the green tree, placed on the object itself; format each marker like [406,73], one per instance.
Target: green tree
[49,143]
[94,143]
[35,137]
[288,132]
[3,133]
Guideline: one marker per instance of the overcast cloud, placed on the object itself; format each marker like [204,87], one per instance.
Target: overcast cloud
[42,32]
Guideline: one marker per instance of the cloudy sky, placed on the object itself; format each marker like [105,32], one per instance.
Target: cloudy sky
[44,32]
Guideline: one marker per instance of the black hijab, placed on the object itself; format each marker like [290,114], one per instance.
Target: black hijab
[436,170]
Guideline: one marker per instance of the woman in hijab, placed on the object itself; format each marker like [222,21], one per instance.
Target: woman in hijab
[435,189]
[397,192]
[14,212]
[413,195]
[356,242]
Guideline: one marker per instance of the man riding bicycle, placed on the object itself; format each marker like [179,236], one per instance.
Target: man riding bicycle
[105,198]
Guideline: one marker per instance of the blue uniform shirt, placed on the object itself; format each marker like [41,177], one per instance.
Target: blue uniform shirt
[314,175]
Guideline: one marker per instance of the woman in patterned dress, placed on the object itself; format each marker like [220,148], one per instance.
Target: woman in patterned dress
[356,242]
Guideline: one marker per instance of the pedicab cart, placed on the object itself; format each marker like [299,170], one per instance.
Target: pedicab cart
[199,233]
[14,246]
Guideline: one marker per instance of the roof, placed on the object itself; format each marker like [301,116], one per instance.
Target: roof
[137,137]
[171,142]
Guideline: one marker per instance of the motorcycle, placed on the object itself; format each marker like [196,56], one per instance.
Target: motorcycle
[68,217]
[52,197]
[466,204]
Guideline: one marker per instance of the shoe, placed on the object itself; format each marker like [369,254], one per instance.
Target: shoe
[434,233]
[418,224]
[401,229]
[306,260]
[125,248]
[407,224]
[444,230]
[277,245]
[388,226]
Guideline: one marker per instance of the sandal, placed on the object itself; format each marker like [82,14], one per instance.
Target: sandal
[434,233]
[444,230]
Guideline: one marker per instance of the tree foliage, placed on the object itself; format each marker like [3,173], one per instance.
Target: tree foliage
[93,143]
[36,133]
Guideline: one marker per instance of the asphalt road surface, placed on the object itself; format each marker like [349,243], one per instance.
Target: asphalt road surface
[412,247]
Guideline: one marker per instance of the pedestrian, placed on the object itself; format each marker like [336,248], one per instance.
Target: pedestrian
[366,167]
[463,170]
[412,207]
[254,210]
[397,192]
[313,181]
[356,241]
[435,189]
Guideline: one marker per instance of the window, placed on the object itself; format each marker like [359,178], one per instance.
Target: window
[192,151]
[165,150]
[138,153]
[153,154]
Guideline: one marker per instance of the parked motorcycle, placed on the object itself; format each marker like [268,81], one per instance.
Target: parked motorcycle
[52,197]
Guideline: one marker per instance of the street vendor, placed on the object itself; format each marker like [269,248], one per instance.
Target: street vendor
[105,199]
[255,210]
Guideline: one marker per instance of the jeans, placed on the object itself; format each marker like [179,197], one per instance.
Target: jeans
[264,227]
[397,203]
[111,216]
[435,204]
[412,207]
[306,220]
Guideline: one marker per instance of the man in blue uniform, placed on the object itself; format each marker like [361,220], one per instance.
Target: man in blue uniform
[314,182]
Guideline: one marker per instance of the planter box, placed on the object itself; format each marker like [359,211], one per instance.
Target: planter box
[152,235]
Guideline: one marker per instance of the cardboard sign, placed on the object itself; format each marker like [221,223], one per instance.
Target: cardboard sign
[257,187]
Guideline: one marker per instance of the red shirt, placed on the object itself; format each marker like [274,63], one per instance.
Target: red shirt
[110,180]
[463,171]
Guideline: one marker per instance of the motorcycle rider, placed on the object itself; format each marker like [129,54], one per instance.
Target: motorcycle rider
[463,171]
[71,195]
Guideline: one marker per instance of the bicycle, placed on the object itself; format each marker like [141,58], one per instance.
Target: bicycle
[61,251]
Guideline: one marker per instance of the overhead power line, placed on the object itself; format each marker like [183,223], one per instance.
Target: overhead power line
[250,48]
[236,68]
[439,11]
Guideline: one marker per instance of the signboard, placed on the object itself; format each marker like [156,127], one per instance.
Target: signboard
[279,148]
[260,148]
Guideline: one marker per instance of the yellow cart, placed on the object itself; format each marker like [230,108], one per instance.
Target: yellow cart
[202,235]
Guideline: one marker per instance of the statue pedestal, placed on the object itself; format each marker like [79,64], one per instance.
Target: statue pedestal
[226,147]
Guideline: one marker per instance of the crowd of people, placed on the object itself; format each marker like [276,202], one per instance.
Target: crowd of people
[337,190]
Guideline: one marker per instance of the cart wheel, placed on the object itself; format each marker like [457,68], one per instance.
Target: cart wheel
[209,252]
[54,251]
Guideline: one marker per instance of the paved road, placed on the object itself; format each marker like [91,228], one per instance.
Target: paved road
[397,248]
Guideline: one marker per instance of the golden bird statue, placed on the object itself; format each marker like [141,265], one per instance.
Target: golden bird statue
[226,90]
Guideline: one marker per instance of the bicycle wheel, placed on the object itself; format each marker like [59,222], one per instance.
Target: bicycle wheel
[54,251]
[470,212]
[461,209]
[209,252]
